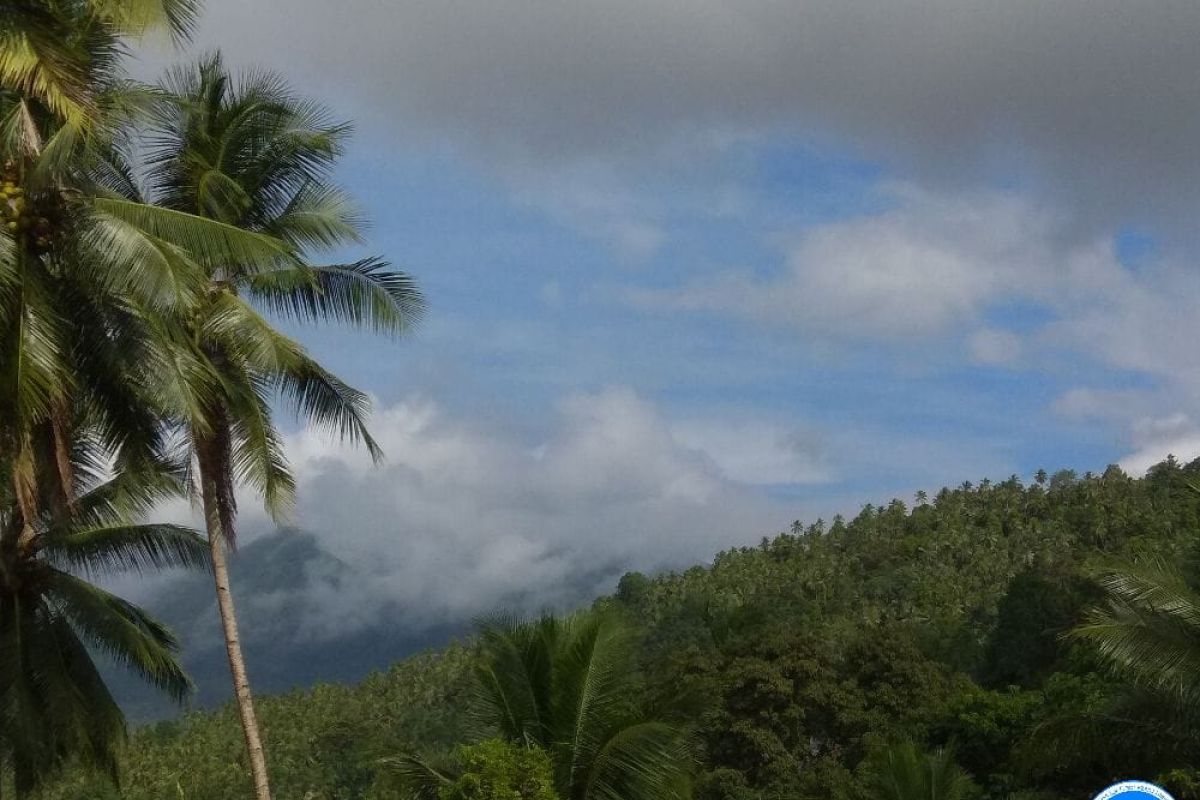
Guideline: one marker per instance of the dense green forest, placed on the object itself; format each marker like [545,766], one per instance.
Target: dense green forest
[942,627]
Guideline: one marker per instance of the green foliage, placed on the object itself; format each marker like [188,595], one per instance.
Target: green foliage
[54,703]
[1038,607]
[46,48]
[792,663]
[792,705]
[326,743]
[498,770]
[902,771]
[911,624]
[1150,627]
[571,686]
[1147,637]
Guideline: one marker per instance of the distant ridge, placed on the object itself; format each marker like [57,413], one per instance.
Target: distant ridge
[269,574]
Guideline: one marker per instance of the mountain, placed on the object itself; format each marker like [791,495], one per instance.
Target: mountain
[939,623]
[275,580]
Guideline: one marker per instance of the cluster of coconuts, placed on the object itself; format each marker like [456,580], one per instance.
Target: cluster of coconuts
[20,217]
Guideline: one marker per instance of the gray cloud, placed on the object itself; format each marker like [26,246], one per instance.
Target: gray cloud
[1093,102]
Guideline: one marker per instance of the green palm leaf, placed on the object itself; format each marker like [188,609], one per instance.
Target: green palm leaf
[54,704]
[366,293]
[121,630]
[138,17]
[209,241]
[322,398]
[138,548]
[571,688]
[423,777]
[902,771]
[1150,629]
[644,759]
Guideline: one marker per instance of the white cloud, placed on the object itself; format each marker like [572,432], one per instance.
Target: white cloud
[1144,324]
[1157,438]
[1111,405]
[594,200]
[462,519]
[929,265]
[994,347]
[757,452]
[934,266]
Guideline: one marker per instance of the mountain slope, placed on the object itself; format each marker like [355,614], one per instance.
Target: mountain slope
[940,623]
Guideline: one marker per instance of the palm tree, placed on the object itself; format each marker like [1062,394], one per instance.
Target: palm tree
[1149,631]
[54,704]
[47,49]
[902,771]
[250,156]
[132,310]
[1148,634]
[80,264]
[570,686]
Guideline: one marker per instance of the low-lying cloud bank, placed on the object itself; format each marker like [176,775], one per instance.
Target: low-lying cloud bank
[463,520]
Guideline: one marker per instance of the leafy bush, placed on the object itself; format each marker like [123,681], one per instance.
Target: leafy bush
[497,770]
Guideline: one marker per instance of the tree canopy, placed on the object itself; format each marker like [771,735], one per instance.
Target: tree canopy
[794,663]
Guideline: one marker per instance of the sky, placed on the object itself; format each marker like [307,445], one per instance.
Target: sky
[697,269]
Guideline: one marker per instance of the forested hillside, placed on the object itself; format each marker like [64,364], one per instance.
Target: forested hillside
[939,623]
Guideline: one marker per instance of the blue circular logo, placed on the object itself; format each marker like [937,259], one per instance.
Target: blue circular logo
[1134,790]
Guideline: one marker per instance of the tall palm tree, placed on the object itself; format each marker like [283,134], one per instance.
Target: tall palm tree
[249,155]
[87,273]
[571,687]
[80,264]
[903,771]
[54,704]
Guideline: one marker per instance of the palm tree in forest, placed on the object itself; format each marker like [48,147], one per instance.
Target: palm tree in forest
[570,687]
[248,155]
[82,266]
[1148,633]
[903,771]
[54,704]
[1149,629]
[1146,718]
[135,313]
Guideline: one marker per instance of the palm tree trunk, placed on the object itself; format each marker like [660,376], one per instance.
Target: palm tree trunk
[23,781]
[233,645]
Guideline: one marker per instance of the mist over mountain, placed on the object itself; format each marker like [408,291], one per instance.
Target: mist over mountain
[276,579]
